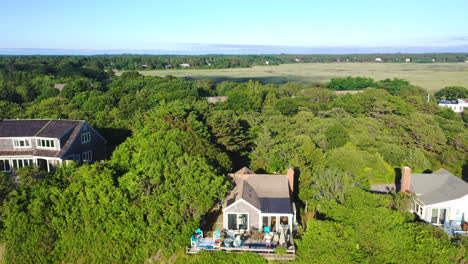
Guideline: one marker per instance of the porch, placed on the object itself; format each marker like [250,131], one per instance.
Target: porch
[281,248]
[8,164]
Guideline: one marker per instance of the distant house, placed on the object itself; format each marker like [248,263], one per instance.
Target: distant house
[439,197]
[216,99]
[184,65]
[267,62]
[297,60]
[457,106]
[47,143]
[378,59]
[60,86]
[260,200]
[348,92]
[407,60]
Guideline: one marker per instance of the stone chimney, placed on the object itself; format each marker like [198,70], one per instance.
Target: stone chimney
[291,178]
[405,179]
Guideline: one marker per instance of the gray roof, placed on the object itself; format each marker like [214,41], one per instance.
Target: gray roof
[437,187]
[51,128]
[267,192]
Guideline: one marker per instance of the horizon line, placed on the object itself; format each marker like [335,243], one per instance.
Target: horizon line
[194,49]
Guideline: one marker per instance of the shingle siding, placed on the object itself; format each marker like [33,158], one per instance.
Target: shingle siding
[6,144]
[243,207]
[97,145]
[65,133]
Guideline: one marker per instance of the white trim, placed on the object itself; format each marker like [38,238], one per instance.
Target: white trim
[226,220]
[429,218]
[55,147]
[236,202]
[278,220]
[28,157]
[87,156]
[25,139]
[85,137]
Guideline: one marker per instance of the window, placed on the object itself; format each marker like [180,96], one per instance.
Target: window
[238,221]
[21,143]
[87,156]
[4,165]
[85,137]
[45,143]
[438,216]
[284,220]
[20,163]
[269,221]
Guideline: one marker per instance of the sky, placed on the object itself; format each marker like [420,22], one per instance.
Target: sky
[231,26]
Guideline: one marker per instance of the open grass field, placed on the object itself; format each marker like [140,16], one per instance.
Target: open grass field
[432,76]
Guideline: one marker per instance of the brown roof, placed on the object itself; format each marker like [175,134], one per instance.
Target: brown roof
[60,86]
[244,170]
[266,192]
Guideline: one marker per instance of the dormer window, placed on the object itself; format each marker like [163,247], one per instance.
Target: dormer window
[45,143]
[21,143]
[85,137]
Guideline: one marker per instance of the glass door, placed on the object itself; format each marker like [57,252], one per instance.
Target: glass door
[442,213]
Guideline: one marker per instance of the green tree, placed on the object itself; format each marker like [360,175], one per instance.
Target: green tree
[452,93]
[337,136]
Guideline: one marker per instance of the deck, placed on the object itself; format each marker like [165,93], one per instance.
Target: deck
[248,245]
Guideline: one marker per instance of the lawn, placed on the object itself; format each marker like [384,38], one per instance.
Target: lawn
[432,76]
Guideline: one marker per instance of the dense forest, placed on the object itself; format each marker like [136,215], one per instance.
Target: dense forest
[171,151]
[63,66]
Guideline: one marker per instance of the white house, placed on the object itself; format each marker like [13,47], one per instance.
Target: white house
[457,106]
[378,59]
[258,201]
[439,197]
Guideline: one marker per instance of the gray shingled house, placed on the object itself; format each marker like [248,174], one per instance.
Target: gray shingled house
[48,142]
[258,201]
[439,197]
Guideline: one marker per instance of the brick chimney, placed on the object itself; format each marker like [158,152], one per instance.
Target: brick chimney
[405,179]
[291,178]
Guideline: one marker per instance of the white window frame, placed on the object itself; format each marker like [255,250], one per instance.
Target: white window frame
[278,220]
[6,161]
[429,218]
[237,220]
[17,145]
[24,161]
[87,156]
[85,137]
[51,141]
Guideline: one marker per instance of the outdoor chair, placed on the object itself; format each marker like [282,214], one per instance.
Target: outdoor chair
[199,233]
[193,241]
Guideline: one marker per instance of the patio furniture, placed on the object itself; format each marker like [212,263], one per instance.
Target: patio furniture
[193,241]
[199,233]
[217,234]
[237,242]
[228,242]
